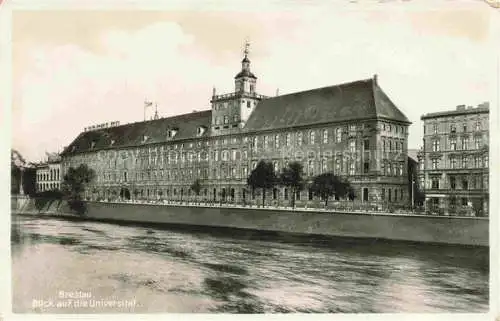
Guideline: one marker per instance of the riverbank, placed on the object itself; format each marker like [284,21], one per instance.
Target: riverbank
[403,227]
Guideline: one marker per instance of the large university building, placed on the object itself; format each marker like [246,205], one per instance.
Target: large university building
[454,160]
[351,129]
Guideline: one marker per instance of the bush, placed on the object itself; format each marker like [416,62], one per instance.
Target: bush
[78,206]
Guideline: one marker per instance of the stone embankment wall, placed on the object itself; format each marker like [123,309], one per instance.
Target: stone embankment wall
[451,230]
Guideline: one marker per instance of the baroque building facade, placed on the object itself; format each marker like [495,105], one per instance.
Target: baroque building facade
[351,129]
[48,174]
[454,160]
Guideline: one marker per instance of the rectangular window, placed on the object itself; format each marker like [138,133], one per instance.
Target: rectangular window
[338,135]
[285,193]
[382,196]
[287,139]
[352,146]
[465,162]
[435,145]
[477,142]
[325,136]
[266,141]
[435,128]
[337,166]
[453,143]
[255,142]
[435,164]
[453,183]
[352,168]
[312,136]
[478,125]
[299,138]
[453,162]
[311,168]
[366,167]
[465,143]
[277,141]
[435,183]
[366,145]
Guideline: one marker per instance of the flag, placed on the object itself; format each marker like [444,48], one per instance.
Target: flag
[148,103]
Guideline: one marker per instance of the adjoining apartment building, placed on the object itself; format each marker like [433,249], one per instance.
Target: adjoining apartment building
[454,163]
[351,129]
[48,173]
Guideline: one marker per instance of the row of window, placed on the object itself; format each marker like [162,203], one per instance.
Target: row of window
[453,127]
[234,103]
[392,145]
[47,186]
[390,128]
[311,168]
[464,183]
[452,143]
[478,162]
[52,175]
[391,194]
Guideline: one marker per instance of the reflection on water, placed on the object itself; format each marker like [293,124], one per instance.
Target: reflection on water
[149,269]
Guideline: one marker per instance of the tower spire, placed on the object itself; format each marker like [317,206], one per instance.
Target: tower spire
[156,111]
[247,46]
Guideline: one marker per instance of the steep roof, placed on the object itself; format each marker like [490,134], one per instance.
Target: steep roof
[156,131]
[357,100]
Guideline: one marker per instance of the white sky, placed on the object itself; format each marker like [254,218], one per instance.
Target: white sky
[74,69]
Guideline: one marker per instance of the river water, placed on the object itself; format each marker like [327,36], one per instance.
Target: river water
[68,266]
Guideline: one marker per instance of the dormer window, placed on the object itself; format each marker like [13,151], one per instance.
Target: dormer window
[171,133]
[92,145]
[200,131]
[112,142]
[144,138]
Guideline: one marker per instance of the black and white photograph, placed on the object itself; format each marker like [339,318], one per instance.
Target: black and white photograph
[279,157]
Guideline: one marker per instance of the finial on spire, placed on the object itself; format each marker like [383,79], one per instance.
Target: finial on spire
[156,111]
[247,45]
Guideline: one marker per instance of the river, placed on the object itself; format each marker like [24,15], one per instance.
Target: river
[72,266]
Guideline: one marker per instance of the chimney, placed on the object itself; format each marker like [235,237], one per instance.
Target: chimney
[375,79]
[460,107]
[214,92]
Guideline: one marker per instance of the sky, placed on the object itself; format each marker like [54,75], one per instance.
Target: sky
[72,69]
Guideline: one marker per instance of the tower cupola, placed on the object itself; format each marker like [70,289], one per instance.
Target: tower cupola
[245,80]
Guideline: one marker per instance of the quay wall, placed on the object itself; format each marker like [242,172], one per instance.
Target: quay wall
[433,229]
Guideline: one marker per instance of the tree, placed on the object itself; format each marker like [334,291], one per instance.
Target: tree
[262,176]
[74,184]
[29,181]
[196,187]
[291,176]
[326,185]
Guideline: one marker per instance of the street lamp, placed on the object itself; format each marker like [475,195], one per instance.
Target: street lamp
[412,192]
